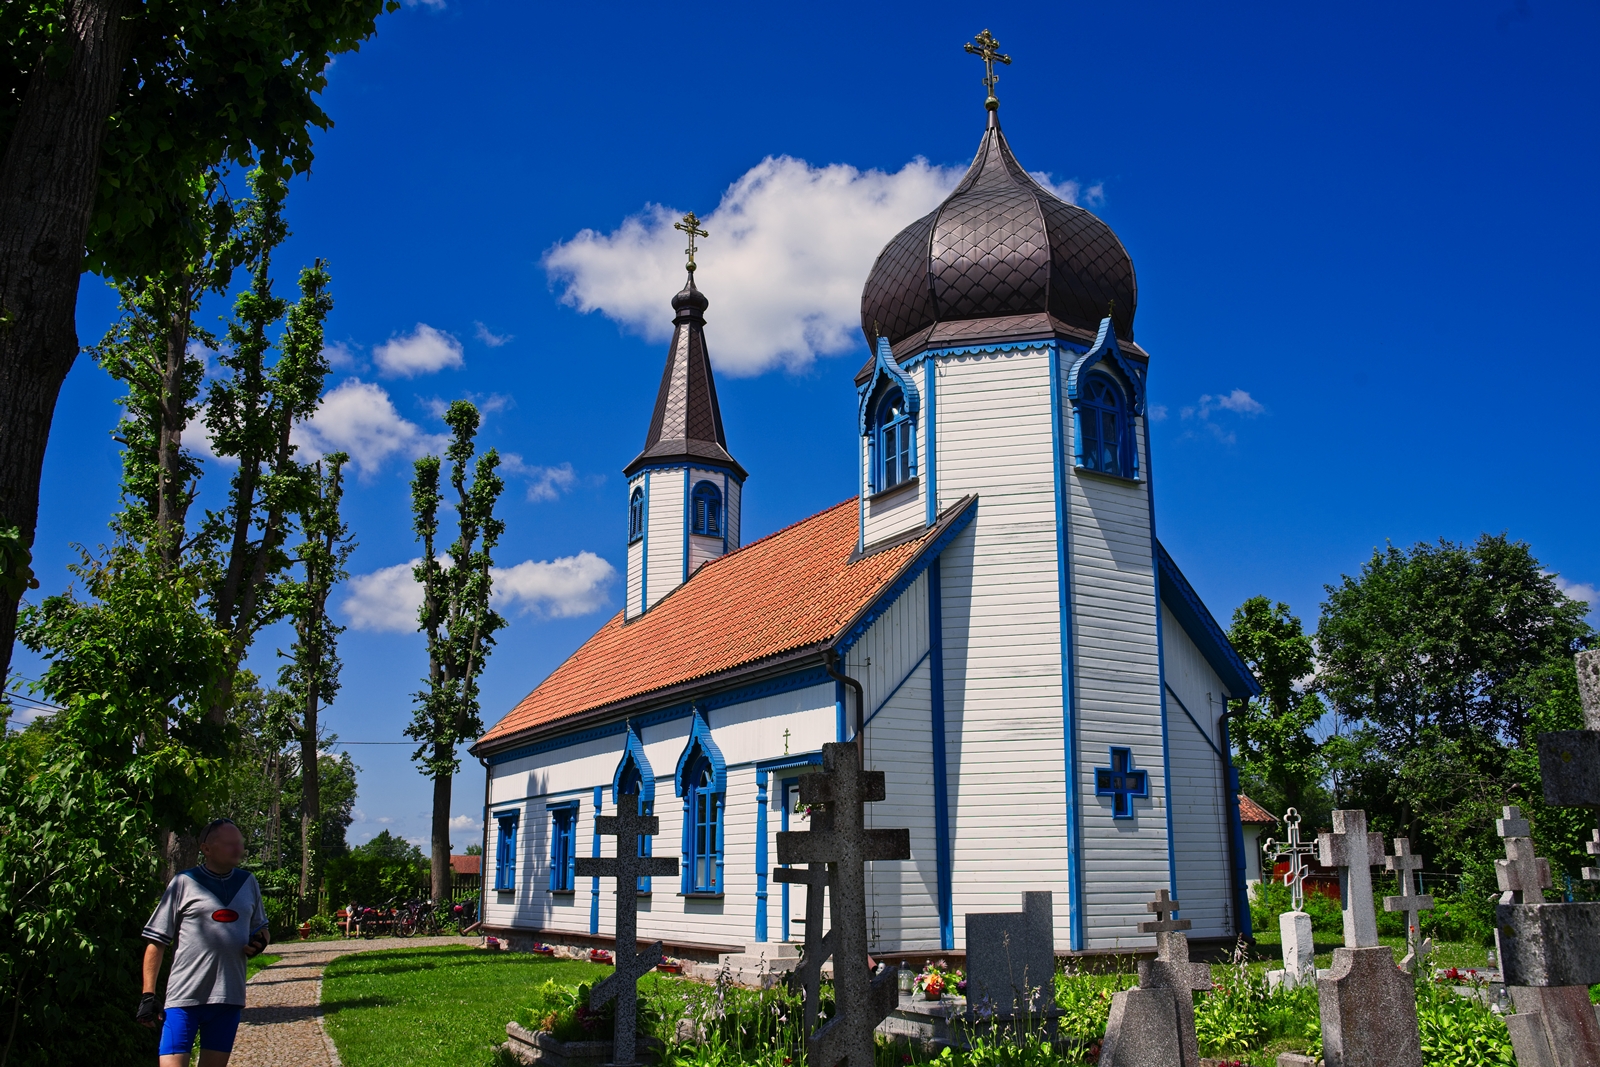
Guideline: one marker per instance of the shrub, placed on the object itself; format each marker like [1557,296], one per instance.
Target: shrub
[1085,1002]
[1273,899]
[1460,1032]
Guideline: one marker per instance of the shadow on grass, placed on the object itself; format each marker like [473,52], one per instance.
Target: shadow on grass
[365,1000]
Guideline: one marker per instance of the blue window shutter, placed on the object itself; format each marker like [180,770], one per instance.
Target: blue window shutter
[505,869]
[718,801]
[555,851]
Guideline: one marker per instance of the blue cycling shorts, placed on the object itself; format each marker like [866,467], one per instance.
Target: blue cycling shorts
[216,1024]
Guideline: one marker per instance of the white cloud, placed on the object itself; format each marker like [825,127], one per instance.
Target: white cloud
[383,819]
[341,356]
[790,246]
[490,338]
[1238,402]
[1158,413]
[1584,591]
[359,418]
[464,822]
[558,589]
[196,437]
[422,351]
[387,600]
[357,815]
[544,483]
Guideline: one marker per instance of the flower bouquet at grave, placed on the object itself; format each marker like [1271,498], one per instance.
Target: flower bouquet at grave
[937,979]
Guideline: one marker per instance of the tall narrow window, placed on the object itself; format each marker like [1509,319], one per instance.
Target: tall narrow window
[707,509]
[636,516]
[1107,444]
[893,442]
[505,860]
[703,811]
[563,822]
[632,785]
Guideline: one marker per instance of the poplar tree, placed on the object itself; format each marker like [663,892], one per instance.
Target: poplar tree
[455,615]
[311,678]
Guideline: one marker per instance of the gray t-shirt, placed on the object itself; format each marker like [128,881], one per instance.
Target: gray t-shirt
[212,919]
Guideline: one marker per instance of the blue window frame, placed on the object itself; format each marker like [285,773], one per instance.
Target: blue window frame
[505,861]
[636,516]
[563,826]
[1121,783]
[894,442]
[631,786]
[706,504]
[1105,432]
[703,816]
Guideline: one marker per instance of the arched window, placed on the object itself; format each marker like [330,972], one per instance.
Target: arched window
[703,815]
[1106,431]
[895,450]
[706,509]
[636,516]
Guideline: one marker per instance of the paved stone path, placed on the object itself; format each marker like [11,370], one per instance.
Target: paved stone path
[282,1022]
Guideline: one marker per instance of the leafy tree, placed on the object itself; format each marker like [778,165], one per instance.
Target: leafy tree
[312,676]
[1279,759]
[455,615]
[383,868]
[111,114]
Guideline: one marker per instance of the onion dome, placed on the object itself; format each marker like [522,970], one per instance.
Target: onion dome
[686,427]
[1000,245]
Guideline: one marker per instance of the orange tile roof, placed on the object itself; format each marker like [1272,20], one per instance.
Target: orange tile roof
[792,591]
[1252,813]
[466,864]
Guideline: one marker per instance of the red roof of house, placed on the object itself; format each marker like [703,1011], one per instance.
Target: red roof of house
[793,591]
[466,864]
[1251,813]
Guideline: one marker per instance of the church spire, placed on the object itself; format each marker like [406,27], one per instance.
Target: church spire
[687,422]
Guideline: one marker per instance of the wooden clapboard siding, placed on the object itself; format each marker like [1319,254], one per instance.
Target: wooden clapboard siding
[635,577]
[735,501]
[904,508]
[1001,628]
[1202,818]
[1117,670]
[664,542]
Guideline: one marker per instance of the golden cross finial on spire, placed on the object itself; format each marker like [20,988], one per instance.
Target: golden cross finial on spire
[989,49]
[691,226]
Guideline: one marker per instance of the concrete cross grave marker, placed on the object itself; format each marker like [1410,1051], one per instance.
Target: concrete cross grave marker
[806,978]
[1153,1025]
[862,1000]
[1549,956]
[627,867]
[1402,863]
[1368,1005]
[1294,926]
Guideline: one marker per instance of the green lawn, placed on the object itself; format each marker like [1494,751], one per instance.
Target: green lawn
[255,963]
[445,1007]
[1445,953]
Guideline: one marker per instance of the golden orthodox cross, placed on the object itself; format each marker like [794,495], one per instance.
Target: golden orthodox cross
[691,226]
[786,742]
[989,48]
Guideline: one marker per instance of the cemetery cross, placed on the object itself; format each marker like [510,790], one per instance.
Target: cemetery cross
[1296,852]
[1402,863]
[1523,877]
[1592,846]
[862,1000]
[629,828]
[1172,970]
[806,979]
[1354,851]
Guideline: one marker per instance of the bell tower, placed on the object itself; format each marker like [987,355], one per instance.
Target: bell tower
[684,488]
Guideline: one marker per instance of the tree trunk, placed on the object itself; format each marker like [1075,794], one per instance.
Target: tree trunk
[310,802]
[441,837]
[275,807]
[47,187]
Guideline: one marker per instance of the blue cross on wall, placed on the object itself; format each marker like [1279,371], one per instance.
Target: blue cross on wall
[1121,782]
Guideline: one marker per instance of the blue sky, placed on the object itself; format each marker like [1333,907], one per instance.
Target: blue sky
[1363,235]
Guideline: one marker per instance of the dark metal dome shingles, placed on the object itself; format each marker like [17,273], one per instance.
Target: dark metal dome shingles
[686,425]
[999,245]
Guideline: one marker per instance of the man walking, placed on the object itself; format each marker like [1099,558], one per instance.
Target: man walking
[215,914]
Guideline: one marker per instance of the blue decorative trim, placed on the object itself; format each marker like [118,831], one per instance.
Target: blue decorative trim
[884,366]
[1198,622]
[1241,896]
[1037,345]
[633,752]
[1122,782]
[884,703]
[1105,344]
[1076,913]
[594,883]
[761,855]
[941,770]
[1173,693]
[505,858]
[838,712]
[783,827]
[785,683]
[913,571]
[784,763]
[644,552]
[1161,669]
[686,525]
[568,881]
[696,464]
[930,462]
[700,737]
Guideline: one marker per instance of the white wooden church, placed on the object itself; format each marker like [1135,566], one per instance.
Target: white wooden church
[992,613]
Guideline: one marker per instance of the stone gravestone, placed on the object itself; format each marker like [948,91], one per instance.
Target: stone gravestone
[1011,962]
[1153,1025]
[622,986]
[806,979]
[1402,863]
[1368,1005]
[1569,760]
[1294,926]
[861,1000]
[1549,956]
